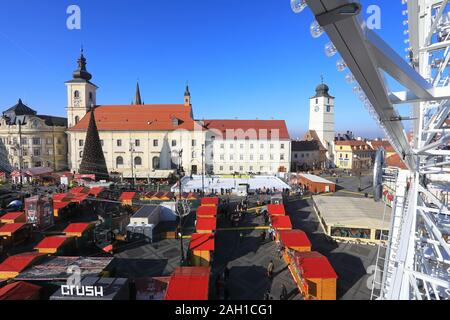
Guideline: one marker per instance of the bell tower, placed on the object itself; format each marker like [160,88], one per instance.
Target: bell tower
[81,93]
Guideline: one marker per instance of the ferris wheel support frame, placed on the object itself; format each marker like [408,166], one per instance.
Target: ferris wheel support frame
[410,270]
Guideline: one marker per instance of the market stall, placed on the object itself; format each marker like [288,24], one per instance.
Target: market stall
[13,234]
[20,291]
[296,240]
[127,198]
[206,225]
[57,245]
[202,247]
[189,283]
[79,230]
[13,217]
[210,201]
[314,275]
[276,209]
[281,223]
[12,266]
[208,211]
[39,212]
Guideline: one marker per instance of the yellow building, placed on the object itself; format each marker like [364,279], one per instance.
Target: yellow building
[353,154]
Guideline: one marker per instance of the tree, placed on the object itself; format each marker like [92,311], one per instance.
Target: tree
[93,160]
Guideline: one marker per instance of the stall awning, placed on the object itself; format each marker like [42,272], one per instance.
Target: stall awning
[12,217]
[77,229]
[18,263]
[313,265]
[202,242]
[77,190]
[126,196]
[79,197]
[19,291]
[276,209]
[206,224]
[10,228]
[210,201]
[281,222]
[294,238]
[60,205]
[52,243]
[206,211]
[189,283]
[95,191]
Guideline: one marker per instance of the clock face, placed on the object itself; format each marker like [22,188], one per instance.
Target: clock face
[76,103]
[316,109]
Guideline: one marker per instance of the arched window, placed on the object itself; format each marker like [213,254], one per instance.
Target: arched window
[119,161]
[81,154]
[155,163]
[91,97]
[138,161]
[76,94]
[77,119]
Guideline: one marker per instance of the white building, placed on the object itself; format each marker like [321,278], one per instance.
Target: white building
[144,141]
[321,119]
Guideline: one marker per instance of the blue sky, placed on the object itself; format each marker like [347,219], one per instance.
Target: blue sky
[243,59]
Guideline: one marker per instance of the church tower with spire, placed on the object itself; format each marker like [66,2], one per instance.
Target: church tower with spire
[187,97]
[81,93]
[137,97]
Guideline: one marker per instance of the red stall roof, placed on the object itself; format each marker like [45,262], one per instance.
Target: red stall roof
[11,227]
[95,191]
[19,291]
[60,205]
[11,215]
[276,209]
[62,197]
[210,200]
[127,196]
[281,222]
[19,262]
[294,238]
[314,265]
[79,190]
[184,280]
[206,224]
[202,242]
[78,197]
[76,228]
[52,242]
[206,211]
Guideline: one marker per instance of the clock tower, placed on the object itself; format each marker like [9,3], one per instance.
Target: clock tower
[81,93]
[321,119]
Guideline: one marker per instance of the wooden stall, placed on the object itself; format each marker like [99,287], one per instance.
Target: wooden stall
[281,223]
[276,209]
[210,201]
[314,275]
[39,212]
[202,247]
[206,225]
[55,245]
[208,211]
[20,291]
[13,217]
[189,283]
[12,234]
[79,230]
[12,266]
[296,240]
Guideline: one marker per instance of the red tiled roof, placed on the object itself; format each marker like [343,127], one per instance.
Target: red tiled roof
[210,200]
[382,143]
[276,209]
[19,262]
[395,161]
[127,196]
[188,283]
[294,238]
[206,224]
[206,211]
[77,227]
[11,227]
[52,242]
[139,118]
[202,242]
[19,291]
[12,215]
[314,265]
[251,129]
[281,222]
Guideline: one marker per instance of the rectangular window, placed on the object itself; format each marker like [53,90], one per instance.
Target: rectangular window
[251,145]
[174,143]
[49,152]
[242,146]
[241,168]
[36,141]
[281,156]
[231,157]
[261,157]
[137,143]
[24,141]
[222,146]
[271,157]
[119,143]
[282,146]
[251,157]
[241,157]
[271,146]
[194,143]
[49,140]
[251,168]
[37,152]
[312,288]
[155,142]
[231,169]
[80,143]
[222,157]
[221,168]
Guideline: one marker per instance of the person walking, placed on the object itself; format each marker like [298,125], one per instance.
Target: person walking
[270,268]
[283,294]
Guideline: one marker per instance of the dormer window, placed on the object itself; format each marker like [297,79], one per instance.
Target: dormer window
[175,122]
